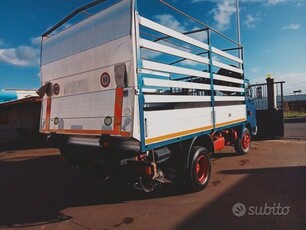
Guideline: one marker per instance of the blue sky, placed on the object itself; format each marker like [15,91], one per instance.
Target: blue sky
[273,34]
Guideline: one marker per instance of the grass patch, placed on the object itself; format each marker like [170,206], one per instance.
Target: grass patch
[294,114]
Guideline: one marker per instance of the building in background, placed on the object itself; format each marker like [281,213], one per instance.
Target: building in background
[11,94]
[19,117]
[295,102]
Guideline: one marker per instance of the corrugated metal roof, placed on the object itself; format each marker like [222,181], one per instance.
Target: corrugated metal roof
[30,99]
[7,95]
[298,97]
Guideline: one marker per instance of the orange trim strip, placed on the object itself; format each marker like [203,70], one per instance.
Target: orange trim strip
[178,134]
[90,132]
[118,110]
[48,113]
[125,134]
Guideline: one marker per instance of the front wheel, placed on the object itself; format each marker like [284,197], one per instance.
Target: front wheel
[199,169]
[243,145]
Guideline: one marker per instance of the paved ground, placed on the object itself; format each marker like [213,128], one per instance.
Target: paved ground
[295,130]
[38,190]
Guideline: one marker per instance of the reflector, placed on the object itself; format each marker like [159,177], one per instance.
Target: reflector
[108,121]
[105,80]
[56,89]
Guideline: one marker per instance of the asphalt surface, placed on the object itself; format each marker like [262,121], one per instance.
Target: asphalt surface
[38,190]
[295,130]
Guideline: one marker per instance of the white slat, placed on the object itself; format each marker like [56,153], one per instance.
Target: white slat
[151,65]
[175,98]
[156,73]
[146,90]
[179,53]
[228,79]
[228,88]
[158,67]
[172,33]
[225,66]
[226,55]
[174,84]
[172,51]
[229,98]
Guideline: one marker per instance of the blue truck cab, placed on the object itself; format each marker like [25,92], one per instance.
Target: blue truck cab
[251,109]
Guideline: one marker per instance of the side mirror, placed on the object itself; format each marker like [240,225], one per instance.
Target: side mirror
[248,90]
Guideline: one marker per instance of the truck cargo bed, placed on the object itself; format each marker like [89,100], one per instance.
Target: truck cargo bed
[108,77]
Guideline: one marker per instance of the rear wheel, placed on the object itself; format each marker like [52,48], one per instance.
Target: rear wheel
[244,143]
[199,169]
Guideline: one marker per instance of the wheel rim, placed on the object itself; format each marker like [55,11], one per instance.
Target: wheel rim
[201,169]
[246,141]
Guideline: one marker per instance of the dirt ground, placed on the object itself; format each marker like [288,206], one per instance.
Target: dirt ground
[41,191]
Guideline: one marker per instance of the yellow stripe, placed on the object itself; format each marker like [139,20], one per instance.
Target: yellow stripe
[178,134]
[188,132]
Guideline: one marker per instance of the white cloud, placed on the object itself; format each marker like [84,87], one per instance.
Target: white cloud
[251,20]
[224,10]
[170,21]
[149,54]
[300,3]
[60,29]
[67,25]
[223,13]
[195,1]
[21,55]
[292,27]
[36,41]
[201,36]
[190,63]
[255,70]
[294,81]
[274,2]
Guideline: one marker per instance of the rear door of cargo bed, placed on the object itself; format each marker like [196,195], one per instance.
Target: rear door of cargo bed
[90,70]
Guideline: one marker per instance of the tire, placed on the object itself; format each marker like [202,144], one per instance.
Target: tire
[69,154]
[199,169]
[74,155]
[243,145]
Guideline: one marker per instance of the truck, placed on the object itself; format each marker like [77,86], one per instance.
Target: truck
[127,98]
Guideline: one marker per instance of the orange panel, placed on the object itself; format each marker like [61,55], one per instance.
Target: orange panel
[48,114]
[118,110]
